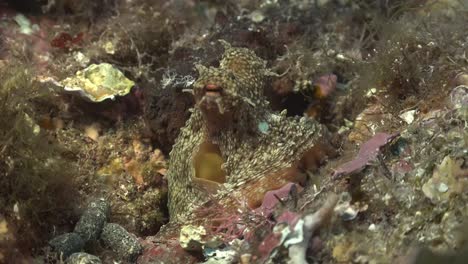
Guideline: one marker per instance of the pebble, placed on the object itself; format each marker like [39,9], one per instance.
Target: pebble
[67,244]
[83,258]
[442,187]
[191,237]
[408,116]
[92,221]
[119,240]
[459,97]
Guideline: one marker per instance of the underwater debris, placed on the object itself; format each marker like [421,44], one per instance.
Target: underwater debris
[99,82]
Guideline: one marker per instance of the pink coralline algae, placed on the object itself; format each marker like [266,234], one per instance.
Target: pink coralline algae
[368,152]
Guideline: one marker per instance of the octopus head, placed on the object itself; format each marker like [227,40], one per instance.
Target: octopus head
[216,91]
[227,92]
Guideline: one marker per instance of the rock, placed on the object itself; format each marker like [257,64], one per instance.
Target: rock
[460,79]
[83,258]
[124,244]
[459,96]
[92,221]
[191,237]
[221,256]
[408,116]
[459,100]
[67,244]
[447,179]
[99,82]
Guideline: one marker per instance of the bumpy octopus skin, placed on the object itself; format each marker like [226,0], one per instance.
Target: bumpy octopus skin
[234,148]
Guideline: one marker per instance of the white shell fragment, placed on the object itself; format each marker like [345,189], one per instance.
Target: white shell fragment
[99,82]
[191,237]
[408,116]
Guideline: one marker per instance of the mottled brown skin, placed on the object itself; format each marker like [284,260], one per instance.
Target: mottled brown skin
[230,106]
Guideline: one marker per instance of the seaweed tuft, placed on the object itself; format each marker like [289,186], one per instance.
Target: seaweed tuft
[415,58]
[36,181]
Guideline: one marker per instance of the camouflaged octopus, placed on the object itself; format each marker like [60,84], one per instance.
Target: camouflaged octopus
[234,148]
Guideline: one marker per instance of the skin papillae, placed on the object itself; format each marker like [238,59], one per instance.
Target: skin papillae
[234,148]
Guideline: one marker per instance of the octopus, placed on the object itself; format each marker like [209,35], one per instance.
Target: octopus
[234,148]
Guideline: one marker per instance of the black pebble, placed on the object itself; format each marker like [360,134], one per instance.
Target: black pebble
[124,244]
[67,244]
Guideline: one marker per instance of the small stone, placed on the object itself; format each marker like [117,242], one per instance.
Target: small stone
[372,227]
[81,58]
[222,256]
[349,214]
[442,187]
[67,244]
[408,116]
[344,209]
[99,82]
[92,221]
[245,258]
[102,205]
[461,79]
[191,237]
[257,16]
[124,244]
[420,172]
[109,48]
[459,97]
[83,258]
